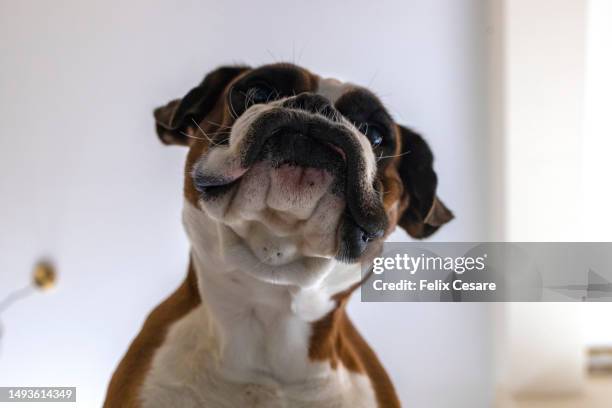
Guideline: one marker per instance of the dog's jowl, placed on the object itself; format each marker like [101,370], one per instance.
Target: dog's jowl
[291,182]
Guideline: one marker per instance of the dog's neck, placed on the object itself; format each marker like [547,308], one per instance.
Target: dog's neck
[263,329]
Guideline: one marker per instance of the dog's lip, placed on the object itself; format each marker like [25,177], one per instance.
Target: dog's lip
[204,181]
[205,188]
[206,185]
[213,188]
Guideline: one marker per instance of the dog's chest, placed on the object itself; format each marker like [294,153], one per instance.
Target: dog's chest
[196,367]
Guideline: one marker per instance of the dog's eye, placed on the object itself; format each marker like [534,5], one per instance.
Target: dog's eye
[260,93]
[374,134]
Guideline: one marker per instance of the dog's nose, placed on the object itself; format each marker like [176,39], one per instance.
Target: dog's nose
[312,103]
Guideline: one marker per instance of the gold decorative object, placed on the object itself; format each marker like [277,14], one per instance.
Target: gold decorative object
[44,275]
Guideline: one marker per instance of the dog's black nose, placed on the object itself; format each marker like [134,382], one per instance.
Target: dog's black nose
[312,103]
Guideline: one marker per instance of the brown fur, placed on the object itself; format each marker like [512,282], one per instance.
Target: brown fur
[334,338]
[124,387]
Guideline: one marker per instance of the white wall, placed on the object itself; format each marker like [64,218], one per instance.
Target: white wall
[540,107]
[597,167]
[84,180]
[545,54]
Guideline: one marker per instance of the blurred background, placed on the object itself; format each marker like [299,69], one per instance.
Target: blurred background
[512,95]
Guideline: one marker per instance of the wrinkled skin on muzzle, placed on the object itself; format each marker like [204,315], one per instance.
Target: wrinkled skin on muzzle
[224,166]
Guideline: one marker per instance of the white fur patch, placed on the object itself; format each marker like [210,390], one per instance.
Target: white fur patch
[188,371]
[332,89]
[246,345]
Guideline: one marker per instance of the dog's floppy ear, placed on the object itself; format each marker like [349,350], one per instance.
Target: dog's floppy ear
[172,119]
[425,212]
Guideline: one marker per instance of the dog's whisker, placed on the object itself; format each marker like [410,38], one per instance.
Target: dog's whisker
[218,124]
[272,55]
[272,96]
[226,136]
[202,130]
[299,58]
[393,155]
[203,139]
[193,137]
[248,96]
[231,105]
[208,138]
[220,142]
[222,132]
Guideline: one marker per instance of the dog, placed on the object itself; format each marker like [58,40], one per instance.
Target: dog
[292,181]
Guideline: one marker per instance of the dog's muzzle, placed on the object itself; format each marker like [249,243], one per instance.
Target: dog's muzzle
[303,131]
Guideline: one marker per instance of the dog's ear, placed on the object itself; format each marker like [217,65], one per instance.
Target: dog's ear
[172,119]
[425,213]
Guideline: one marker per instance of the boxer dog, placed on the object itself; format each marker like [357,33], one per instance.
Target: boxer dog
[292,181]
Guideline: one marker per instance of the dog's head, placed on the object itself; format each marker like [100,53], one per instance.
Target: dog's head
[299,166]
